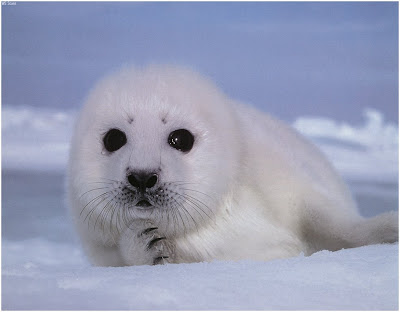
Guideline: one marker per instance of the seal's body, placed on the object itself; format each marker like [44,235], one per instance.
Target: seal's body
[166,168]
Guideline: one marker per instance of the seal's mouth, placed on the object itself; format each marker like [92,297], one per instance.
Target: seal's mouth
[143,203]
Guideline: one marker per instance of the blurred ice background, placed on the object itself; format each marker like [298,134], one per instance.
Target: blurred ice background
[328,69]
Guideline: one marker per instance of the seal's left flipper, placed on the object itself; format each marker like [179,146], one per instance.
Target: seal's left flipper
[142,244]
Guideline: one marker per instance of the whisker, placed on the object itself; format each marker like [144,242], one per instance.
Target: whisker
[197,208]
[113,210]
[93,200]
[178,205]
[115,181]
[188,213]
[180,182]
[91,212]
[192,202]
[176,211]
[185,189]
[101,213]
[96,189]
[194,199]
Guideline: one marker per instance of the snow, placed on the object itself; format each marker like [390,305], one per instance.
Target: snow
[58,277]
[41,133]
[367,151]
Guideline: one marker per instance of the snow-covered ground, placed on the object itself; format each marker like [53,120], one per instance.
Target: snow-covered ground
[43,266]
[41,275]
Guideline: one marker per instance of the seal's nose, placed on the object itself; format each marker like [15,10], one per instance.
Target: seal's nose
[142,180]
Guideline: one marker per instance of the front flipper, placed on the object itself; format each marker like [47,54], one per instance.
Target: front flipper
[142,244]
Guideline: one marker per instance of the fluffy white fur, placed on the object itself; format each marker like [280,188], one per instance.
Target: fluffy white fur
[250,188]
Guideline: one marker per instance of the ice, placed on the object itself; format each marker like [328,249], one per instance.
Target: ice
[35,138]
[363,278]
[364,152]
[373,134]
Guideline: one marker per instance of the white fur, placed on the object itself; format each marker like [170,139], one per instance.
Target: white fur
[258,190]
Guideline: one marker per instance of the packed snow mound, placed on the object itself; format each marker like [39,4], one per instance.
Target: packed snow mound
[367,151]
[41,133]
[41,275]
[373,134]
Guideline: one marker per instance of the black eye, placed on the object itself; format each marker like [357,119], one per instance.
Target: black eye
[181,139]
[114,140]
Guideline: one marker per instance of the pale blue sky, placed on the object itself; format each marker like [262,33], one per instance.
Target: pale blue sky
[291,59]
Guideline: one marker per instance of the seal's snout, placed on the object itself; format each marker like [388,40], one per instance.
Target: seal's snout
[142,180]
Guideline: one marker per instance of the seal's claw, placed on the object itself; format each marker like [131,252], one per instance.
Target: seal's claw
[160,260]
[153,241]
[147,231]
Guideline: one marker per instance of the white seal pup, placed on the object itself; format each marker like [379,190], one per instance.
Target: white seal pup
[165,168]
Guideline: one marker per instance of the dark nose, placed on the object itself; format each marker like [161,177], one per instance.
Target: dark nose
[142,180]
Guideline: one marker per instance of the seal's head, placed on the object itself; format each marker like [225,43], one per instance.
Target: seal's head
[157,144]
